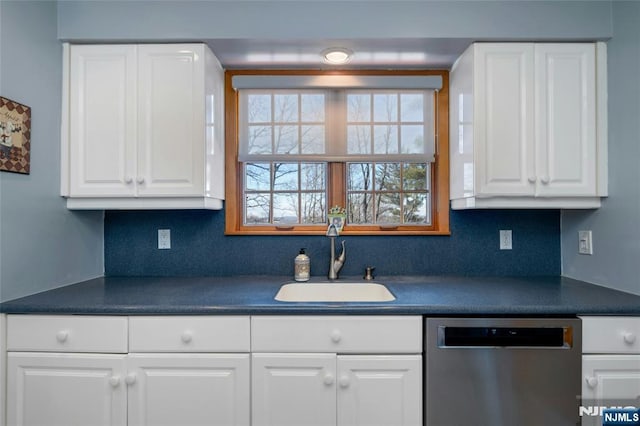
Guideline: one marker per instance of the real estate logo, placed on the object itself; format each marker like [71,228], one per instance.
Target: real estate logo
[620,412]
[629,416]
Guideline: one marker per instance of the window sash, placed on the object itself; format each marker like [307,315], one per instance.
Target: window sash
[262,139]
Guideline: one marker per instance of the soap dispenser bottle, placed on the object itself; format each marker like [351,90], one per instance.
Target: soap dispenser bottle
[302,267]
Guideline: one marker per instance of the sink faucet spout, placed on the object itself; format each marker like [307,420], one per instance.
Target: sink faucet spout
[335,264]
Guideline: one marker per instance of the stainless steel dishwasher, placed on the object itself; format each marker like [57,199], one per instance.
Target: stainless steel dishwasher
[502,371]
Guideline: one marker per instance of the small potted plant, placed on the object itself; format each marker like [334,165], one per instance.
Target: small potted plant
[337,217]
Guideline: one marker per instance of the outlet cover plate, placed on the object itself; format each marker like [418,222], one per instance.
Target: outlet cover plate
[164,239]
[506,239]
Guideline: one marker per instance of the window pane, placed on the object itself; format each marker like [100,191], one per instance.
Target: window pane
[385,107]
[359,208]
[387,176]
[358,139]
[312,107]
[385,139]
[400,193]
[257,208]
[259,140]
[257,176]
[285,176]
[415,176]
[285,108]
[313,208]
[415,208]
[312,139]
[388,208]
[259,108]
[286,139]
[412,107]
[360,176]
[358,107]
[312,176]
[285,208]
[412,139]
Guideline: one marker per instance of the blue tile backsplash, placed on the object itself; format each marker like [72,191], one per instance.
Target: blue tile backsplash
[200,248]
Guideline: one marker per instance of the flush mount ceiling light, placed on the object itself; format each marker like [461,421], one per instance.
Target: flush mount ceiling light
[337,55]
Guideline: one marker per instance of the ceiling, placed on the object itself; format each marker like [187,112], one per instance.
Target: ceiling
[383,53]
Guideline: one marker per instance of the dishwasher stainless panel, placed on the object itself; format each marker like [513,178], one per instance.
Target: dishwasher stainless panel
[502,371]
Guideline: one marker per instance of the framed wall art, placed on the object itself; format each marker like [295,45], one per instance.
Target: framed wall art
[15,136]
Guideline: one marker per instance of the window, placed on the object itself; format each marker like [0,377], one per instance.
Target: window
[293,152]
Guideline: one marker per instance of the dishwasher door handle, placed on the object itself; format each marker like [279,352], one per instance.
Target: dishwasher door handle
[505,337]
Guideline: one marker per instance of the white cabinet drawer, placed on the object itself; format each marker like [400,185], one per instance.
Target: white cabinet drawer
[189,334]
[339,334]
[611,335]
[66,333]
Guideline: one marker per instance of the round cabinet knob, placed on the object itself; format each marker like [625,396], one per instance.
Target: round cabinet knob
[114,381]
[62,336]
[187,337]
[344,381]
[336,336]
[532,179]
[130,379]
[629,338]
[592,382]
[128,180]
[140,180]
[545,180]
[328,379]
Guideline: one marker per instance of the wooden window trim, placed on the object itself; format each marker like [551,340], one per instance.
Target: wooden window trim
[337,192]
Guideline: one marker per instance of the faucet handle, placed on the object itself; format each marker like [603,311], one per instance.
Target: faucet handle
[368,273]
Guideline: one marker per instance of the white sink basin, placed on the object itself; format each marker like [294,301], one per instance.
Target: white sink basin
[334,292]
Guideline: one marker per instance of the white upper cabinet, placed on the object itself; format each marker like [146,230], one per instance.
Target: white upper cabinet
[142,127]
[527,129]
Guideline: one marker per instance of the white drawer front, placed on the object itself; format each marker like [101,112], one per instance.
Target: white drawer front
[66,333]
[339,334]
[611,335]
[189,334]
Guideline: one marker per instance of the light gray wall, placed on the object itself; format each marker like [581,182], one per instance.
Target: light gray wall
[42,244]
[312,19]
[616,229]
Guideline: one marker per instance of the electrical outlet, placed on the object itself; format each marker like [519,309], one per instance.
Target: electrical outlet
[505,239]
[585,242]
[164,239]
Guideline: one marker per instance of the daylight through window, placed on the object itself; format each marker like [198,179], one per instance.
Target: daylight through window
[301,151]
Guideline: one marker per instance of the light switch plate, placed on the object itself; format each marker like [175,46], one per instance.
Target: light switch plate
[164,239]
[585,242]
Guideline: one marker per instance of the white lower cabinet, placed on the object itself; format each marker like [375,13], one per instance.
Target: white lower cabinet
[66,389]
[68,370]
[77,371]
[188,389]
[293,389]
[329,389]
[610,365]
[358,379]
[379,390]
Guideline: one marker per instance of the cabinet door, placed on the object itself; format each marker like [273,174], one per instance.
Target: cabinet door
[66,389]
[379,390]
[609,380]
[503,86]
[293,389]
[188,389]
[102,111]
[565,119]
[171,129]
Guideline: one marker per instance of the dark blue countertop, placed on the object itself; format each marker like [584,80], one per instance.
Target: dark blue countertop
[254,295]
